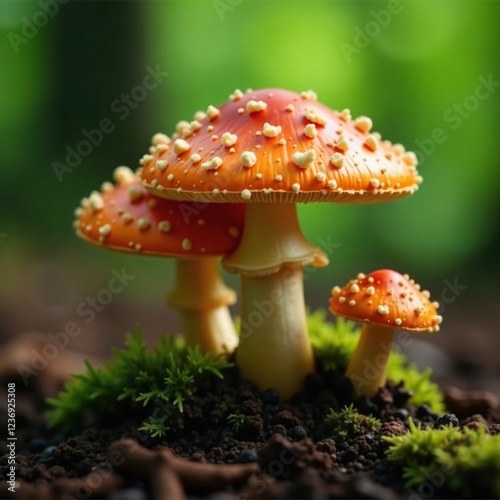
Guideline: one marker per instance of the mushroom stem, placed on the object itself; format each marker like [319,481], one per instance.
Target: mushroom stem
[201,298]
[274,349]
[368,366]
[212,329]
[272,237]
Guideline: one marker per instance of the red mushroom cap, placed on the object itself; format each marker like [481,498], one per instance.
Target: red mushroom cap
[127,217]
[274,145]
[387,298]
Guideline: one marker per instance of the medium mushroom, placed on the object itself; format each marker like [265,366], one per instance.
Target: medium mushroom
[272,149]
[128,218]
[384,301]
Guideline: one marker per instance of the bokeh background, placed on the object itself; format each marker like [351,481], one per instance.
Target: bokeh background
[427,73]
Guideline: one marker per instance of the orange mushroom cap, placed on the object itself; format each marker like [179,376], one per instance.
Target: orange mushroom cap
[274,145]
[387,298]
[127,217]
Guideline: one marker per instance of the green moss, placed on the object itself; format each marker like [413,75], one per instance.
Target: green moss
[334,344]
[461,460]
[156,426]
[135,377]
[139,379]
[236,420]
[347,423]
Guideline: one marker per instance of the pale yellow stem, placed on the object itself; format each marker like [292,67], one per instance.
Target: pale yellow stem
[274,349]
[212,329]
[368,366]
[272,237]
[202,299]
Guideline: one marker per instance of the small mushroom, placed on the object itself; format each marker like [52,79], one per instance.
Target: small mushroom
[285,148]
[384,301]
[126,217]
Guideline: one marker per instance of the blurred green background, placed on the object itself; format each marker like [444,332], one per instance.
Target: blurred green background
[425,71]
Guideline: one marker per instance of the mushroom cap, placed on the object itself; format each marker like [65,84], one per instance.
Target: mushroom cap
[274,145]
[127,217]
[387,298]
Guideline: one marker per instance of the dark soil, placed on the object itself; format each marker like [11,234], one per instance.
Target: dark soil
[270,450]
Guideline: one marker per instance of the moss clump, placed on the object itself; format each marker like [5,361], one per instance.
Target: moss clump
[167,374]
[348,424]
[334,345]
[143,380]
[236,420]
[463,461]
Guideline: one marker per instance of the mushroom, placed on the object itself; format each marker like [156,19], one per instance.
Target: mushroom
[128,218]
[384,301]
[272,149]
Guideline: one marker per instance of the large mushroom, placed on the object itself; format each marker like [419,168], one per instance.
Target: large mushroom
[384,301]
[128,218]
[272,149]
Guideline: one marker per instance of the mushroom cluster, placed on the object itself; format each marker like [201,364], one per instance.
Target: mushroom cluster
[242,168]
[271,149]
